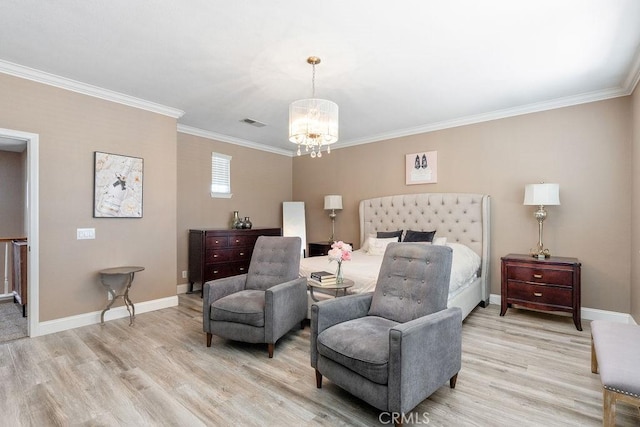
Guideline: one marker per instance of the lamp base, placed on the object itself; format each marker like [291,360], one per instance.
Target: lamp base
[540,253]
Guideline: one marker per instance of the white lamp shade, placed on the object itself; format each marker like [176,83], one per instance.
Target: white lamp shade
[333,202]
[542,194]
[313,122]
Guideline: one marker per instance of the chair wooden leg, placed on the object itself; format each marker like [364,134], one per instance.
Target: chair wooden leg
[209,339]
[270,347]
[318,379]
[452,381]
[608,408]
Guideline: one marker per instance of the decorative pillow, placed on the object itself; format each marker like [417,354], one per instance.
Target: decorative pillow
[365,244]
[439,241]
[378,246]
[419,236]
[388,234]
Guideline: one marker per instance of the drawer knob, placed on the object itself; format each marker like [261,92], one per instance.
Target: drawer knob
[215,271]
[237,241]
[537,276]
[217,241]
[215,256]
[241,253]
[537,294]
[241,268]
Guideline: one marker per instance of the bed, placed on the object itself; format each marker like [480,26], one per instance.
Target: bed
[460,220]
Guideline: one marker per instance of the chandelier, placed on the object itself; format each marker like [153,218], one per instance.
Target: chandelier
[313,122]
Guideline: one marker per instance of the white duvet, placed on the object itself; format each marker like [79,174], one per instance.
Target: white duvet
[363,268]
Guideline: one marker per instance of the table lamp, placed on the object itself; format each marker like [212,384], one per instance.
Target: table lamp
[332,202]
[541,195]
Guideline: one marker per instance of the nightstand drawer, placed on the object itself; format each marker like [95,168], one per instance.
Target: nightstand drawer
[539,294]
[540,275]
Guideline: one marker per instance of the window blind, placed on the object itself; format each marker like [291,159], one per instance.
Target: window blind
[220,175]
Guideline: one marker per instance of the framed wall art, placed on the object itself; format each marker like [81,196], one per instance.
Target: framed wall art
[422,168]
[117,186]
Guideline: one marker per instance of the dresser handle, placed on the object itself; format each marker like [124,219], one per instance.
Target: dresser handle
[241,268]
[217,241]
[537,276]
[237,241]
[241,253]
[537,294]
[215,271]
[215,256]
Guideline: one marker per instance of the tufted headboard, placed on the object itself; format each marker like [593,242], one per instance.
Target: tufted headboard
[460,217]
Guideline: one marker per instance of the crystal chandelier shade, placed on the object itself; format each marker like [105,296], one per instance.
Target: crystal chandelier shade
[313,122]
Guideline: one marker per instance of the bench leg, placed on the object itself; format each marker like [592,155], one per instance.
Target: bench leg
[608,408]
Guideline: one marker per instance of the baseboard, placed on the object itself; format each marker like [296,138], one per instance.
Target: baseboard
[588,313]
[71,322]
[183,288]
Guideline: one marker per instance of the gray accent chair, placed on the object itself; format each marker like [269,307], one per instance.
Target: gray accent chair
[397,345]
[263,304]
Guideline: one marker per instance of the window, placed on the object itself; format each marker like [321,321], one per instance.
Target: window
[220,175]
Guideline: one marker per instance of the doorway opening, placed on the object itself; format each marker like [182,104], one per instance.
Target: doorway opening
[21,149]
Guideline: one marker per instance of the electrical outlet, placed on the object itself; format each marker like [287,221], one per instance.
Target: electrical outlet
[109,296]
[184,274]
[85,233]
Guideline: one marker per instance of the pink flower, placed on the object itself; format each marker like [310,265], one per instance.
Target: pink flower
[340,251]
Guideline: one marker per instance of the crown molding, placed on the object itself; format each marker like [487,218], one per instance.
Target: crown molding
[494,115]
[232,140]
[631,82]
[86,89]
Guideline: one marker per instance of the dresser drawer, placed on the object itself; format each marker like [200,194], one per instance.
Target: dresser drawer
[217,271]
[242,254]
[540,275]
[244,240]
[239,267]
[539,294]
[217,242]
[218,255]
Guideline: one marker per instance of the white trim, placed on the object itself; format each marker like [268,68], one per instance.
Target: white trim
[33,236]
[494,115]
[633,77]
[86,319]
[568,101]
[587,313]
[86,89]
[232,140]
[182,288]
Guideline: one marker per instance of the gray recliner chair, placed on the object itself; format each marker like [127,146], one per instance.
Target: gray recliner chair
[394,347]
[263,304]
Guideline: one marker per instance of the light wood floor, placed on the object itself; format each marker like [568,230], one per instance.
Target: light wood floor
[524,369]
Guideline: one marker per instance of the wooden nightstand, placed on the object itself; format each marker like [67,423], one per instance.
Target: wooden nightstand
[552,284]
[321,248]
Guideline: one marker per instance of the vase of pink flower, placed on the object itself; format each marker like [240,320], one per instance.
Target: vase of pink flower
[339,252]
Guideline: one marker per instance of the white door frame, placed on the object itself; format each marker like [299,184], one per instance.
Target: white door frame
[33,238]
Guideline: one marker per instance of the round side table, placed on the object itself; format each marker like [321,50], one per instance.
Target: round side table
[347,283]
[122,275]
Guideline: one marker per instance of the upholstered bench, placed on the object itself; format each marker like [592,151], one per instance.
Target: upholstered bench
[615,351]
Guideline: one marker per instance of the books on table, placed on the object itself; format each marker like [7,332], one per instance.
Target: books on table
[324,277]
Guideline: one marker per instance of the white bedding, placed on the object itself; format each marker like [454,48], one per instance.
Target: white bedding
[363,268]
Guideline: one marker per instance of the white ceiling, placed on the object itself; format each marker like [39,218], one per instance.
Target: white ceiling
[394,68]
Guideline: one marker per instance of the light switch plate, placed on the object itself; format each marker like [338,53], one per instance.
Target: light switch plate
[86,233]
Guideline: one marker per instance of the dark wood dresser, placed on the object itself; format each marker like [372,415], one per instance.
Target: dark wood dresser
[218,253]
[551,284]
